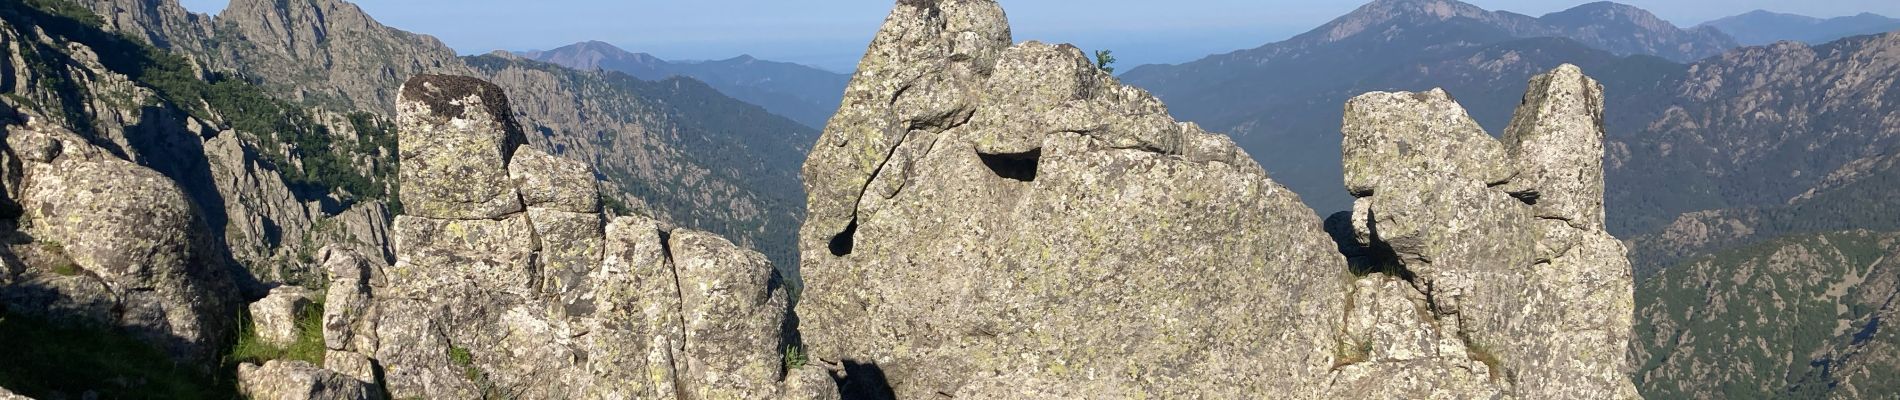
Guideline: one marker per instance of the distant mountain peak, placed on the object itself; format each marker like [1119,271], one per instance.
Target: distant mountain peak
[1382,12]
[1761,27]
[1608,12]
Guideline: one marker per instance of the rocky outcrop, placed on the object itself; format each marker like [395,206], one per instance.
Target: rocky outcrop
[108,241]
[998,221]
[457,136]
[1501,253]
[677,149]
[165,24]
[518,286]
[985,214]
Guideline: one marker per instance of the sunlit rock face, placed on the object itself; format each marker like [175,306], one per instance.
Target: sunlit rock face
[1003,220]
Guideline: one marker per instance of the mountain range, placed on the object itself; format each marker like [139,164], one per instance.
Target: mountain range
[805,94]
[677,148]
[1761,27]
[1729,170]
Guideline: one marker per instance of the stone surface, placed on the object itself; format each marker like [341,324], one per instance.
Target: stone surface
[1391,132]
[1513,267]
[133,230]
[546,299]
[1035,237]
[298,380]
[810,383]
[1556,137]
[731,309]
[554,183]
[1052,226]
[274,318]
[348,306]
[458,134]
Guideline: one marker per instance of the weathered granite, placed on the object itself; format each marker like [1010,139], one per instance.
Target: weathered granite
[1513,267]
[274,318]
[298,380]
[1050,225]
[458,134]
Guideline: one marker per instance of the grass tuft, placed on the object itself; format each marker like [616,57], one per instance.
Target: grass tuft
[795,358]
[307,348]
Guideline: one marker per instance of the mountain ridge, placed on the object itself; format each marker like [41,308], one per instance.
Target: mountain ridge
[1762,27]
[803,93]
[332,55]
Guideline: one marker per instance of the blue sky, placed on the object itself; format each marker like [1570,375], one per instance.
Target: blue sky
[832,33]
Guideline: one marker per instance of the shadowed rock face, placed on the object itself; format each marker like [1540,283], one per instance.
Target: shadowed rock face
[998,221]
[139,252]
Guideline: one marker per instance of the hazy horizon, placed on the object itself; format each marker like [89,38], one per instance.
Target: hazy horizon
[832,34]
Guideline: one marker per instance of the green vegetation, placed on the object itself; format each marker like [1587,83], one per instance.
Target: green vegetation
[1105,60]
[461,357]
[1773,297]
[290,137]
[614,205]
[52,360]
[795,358]
[308,347]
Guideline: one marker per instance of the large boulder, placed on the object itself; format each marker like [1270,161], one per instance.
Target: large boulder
[988,213]
[125,230]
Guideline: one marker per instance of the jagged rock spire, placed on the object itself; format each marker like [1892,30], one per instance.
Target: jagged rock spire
[1501,244]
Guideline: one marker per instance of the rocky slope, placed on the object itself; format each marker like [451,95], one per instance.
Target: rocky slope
[1757,127]
[331,55]
[1812,265]
[991,220]
[1801,316]
[1761,27]
[149,197]
[804,94]
[141,198]
[1752,127]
